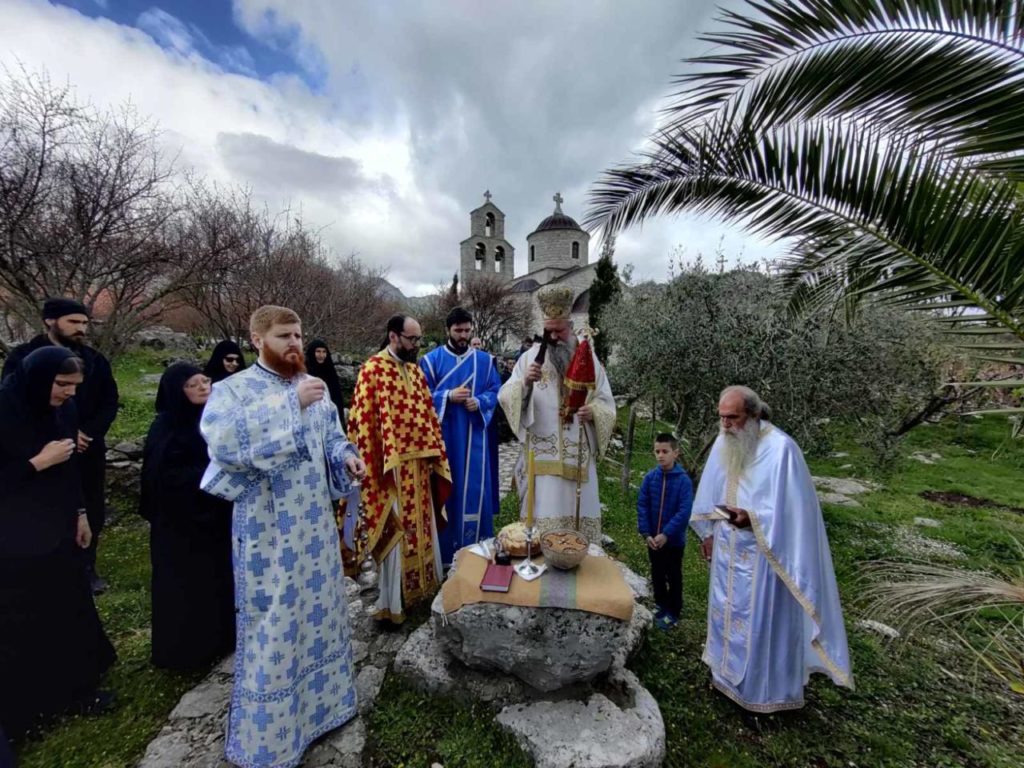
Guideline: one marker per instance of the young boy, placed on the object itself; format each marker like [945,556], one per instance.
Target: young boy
[663,512]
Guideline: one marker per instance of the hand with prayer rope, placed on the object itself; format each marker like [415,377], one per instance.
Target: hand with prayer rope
[356,467]
[54,452]
[83,536]
[472,405]
[459,394]
[83,441]
[586,414]
[311,390]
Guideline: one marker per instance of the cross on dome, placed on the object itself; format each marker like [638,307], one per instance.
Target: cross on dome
[558,202]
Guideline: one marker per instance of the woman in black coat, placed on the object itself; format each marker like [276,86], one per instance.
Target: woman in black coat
[190,531]
[52,646]
[226,359]
[320,364]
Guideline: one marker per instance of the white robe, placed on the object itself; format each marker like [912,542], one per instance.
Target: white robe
[282,466]
[533,415]
[774,615]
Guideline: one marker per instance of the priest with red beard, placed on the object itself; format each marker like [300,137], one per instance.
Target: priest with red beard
[279,454]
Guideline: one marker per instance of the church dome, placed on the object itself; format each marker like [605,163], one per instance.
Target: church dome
[558,221]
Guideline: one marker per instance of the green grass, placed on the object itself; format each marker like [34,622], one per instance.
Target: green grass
[916,704]
[135,397]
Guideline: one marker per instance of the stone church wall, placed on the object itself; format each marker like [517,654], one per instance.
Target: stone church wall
[553,248]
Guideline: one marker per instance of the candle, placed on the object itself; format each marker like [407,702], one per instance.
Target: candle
[529,489]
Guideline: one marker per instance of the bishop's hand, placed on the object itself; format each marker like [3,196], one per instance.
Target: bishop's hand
[533,373]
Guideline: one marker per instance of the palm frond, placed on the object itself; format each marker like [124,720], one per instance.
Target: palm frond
[918,593]
[869,212]
[884,60]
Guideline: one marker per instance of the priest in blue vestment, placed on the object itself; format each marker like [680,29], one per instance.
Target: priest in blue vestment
[774,615]
[464,383]
[278,452]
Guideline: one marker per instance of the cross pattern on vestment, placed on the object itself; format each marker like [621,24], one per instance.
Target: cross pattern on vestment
[315,547]
[317,649]
[262,718]
[317,615]
[262,638]
[314,512]
[262,679]
[319,682]
[316,581]
[320,714]
[258,564]
[291,594]
[288,558]
[285,522]
[312,478]
[280,485]
[254,528]
[261,601]
[264,756]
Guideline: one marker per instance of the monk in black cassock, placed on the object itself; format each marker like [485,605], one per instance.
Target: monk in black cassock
[190,531]
[67,324]
[226,359]
[52,646]
[320,364]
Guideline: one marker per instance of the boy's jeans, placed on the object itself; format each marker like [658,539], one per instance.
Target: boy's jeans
[667,577]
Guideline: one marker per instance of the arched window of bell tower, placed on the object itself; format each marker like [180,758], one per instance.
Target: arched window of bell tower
[489,225]
[480,254]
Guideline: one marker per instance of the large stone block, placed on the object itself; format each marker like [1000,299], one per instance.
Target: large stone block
[620,727]
[547,648]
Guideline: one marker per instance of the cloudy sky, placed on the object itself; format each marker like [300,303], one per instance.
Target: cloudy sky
[385,120]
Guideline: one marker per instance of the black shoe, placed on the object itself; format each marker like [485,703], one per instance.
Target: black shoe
[99,703]
[98,584]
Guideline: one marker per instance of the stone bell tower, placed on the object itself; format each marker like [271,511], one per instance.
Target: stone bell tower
[486,251]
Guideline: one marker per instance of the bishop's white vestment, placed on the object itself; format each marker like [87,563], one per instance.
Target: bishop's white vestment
[533,413]
[774,615]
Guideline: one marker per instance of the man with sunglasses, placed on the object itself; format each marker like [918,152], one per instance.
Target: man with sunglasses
[393,423]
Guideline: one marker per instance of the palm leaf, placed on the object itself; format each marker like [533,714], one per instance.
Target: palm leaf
[951,68]
[868,212]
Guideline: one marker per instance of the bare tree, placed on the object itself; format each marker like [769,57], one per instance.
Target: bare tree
[87,203]
[499,313]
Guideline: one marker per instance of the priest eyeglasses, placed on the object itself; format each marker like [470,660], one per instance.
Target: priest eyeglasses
[414,340]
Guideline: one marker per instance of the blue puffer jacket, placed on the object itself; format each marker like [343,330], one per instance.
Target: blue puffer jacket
[674,511]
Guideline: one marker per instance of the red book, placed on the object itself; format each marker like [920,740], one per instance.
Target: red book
[497,578]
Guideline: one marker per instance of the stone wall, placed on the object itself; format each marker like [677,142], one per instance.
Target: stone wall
[553,248]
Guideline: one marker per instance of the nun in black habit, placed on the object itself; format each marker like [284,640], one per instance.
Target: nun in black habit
[52,646]
[320,364]
[190,531]
[226,359]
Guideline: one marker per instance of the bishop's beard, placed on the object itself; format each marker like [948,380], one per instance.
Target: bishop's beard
[288,365]
[738,447]
[561,354]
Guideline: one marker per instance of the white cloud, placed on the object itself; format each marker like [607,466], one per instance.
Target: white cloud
[417,108]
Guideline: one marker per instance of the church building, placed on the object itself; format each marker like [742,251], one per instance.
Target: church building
[557,253]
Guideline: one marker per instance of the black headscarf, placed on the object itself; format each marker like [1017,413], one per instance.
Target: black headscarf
[25,395]
[215,367]
[324,370]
